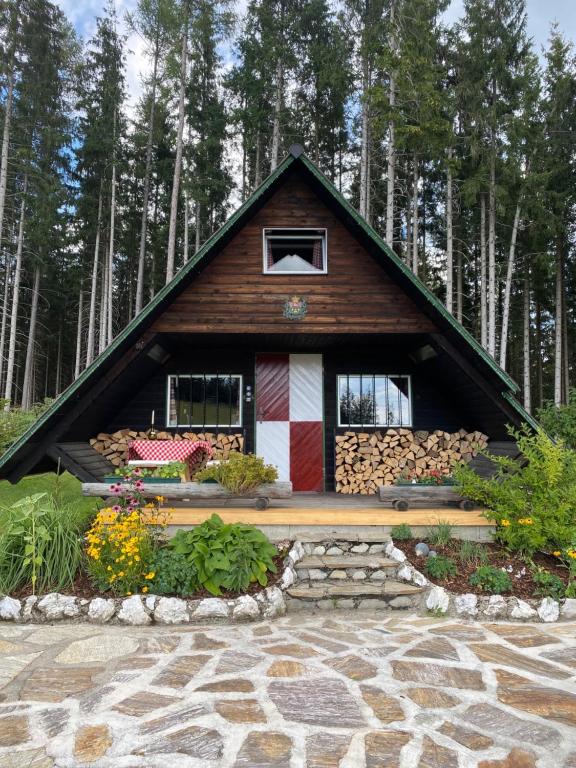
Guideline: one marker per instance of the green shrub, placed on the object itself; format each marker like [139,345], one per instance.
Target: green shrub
[559,421]
[440,568]
[15,422]
[40,544]
[440,534]
[174,574]
[401,532]
[548,584]
[226,556]
[472,553]
[490,579]
[241,473]
[173,469]
[532,502]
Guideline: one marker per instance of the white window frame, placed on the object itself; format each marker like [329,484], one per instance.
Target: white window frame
[323,237]
[409,424]
[207,376]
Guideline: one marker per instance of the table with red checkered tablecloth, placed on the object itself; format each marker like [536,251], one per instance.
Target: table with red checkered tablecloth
[194,453]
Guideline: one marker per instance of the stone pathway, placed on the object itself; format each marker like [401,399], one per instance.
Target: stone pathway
[347,690]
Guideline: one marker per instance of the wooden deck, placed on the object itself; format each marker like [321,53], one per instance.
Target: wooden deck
[321,509]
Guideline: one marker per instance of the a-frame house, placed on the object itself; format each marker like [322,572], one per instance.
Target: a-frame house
[294,323]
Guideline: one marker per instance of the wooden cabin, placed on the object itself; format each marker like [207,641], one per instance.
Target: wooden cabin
[294,331]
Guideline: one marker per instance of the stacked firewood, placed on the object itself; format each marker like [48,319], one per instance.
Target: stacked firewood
[367,460]
[115,446]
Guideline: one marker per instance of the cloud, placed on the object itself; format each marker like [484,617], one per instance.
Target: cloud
[82,14]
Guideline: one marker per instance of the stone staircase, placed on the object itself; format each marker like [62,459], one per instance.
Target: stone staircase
[349,574]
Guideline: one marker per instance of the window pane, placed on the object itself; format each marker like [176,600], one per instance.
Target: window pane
[204,400]
[399,405]
[374,400]
[357,400]
[229,396]
[382,415]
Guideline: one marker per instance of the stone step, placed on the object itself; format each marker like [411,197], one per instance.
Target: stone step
[370,562]
[329,589]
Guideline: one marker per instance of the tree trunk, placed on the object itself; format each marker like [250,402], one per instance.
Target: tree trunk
[15,302]
[186,228]
[278,102]
[415,217]
[58,382]
[449,238]
[4,154]
[3,326]
[391,152]
[365,140]
[508,288]
[258,162]
[93,286]
[197,234]
[492,259]
[146,188]
[178,161]
[103,311]
[483,278]
[539,371]
[110,271]
[459,286]
[527,392]
[77,365]
[558,330]
[27,386]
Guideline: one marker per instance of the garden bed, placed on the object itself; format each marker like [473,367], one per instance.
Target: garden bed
[521,576]
[84,588]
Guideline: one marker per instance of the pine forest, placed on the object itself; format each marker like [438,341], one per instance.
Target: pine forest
[456,141]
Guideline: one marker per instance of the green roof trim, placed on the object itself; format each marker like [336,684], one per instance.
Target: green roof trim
[295,155]
[146,311]
[431,298]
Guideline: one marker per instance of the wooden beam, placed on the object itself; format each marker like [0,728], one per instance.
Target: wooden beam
[190,491]
[327,516]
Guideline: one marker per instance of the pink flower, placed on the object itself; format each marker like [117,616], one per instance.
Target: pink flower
[139,485]
[116,489]
[136,471]
[117,508]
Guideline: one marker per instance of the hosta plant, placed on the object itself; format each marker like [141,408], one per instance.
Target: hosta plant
[228,556]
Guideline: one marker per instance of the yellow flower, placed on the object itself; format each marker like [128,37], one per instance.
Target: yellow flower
[557,553]
[505,523]
[525,521]
[149,576]
[160,499]
[144,589]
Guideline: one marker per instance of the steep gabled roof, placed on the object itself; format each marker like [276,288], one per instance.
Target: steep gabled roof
[296,160]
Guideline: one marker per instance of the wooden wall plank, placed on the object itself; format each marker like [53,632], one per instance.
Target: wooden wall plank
[231,295]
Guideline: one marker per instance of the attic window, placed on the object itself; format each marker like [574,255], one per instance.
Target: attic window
[295,251]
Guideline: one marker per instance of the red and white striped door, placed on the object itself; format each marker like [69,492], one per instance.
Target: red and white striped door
[289,417]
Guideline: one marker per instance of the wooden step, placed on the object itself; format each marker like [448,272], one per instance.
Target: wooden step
[372,562]
[328,589]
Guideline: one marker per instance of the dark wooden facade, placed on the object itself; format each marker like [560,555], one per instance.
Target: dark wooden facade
[367,314]
[233,296]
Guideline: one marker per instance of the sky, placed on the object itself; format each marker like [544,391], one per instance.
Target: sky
[82,14]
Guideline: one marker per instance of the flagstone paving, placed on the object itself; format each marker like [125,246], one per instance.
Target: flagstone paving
[339,690]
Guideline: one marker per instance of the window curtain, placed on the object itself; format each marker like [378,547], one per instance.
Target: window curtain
[317,255]
[269,259]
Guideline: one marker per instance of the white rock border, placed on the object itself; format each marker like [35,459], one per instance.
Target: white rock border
[435,599]
[141,610]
